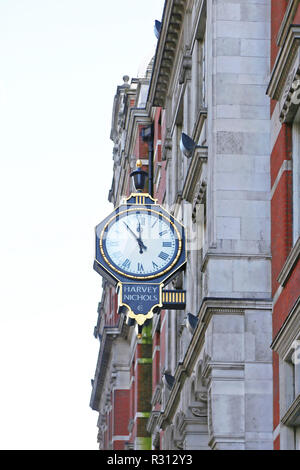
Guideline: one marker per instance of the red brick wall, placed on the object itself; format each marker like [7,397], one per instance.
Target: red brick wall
[121,412]
[281,225]
[281,216]
[286,299]
[121,416]
[278,8]
[141,147]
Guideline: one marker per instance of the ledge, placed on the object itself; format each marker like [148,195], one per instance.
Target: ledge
[152,421]
[288,332]
[286,69]
[289,264]
[109,335]
[194,172]
[287,21]
[165,52]
[292,416]
[198,28]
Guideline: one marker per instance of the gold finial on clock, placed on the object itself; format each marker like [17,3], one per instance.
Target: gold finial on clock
[139,163]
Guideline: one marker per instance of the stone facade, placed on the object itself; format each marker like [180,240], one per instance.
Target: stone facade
[211,377]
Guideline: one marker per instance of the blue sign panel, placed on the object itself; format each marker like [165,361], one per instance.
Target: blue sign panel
[140,299]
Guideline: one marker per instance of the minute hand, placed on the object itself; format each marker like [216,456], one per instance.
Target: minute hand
[138,239]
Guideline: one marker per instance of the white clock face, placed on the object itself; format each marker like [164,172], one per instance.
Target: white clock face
[140,243]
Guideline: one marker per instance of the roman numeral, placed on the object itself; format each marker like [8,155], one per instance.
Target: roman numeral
[141,220]
[167,244]
[163,255]
[126,264]
[163,233]
[154,265]
[140,268]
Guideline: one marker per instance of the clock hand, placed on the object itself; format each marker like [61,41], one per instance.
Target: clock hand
[128,228]
[139,230]
[138,239]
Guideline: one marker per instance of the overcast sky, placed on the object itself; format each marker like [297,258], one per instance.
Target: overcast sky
[60,64]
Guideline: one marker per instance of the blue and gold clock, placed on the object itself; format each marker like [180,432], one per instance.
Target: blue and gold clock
[139,241]
[140,247]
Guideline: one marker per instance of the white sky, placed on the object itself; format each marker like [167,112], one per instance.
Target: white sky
[60,64]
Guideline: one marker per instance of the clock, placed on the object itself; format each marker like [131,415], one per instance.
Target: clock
[141,243]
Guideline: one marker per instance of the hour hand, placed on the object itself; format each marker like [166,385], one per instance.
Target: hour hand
[141,245]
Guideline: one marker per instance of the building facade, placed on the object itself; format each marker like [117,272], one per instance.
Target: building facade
[201,378]
[283,89]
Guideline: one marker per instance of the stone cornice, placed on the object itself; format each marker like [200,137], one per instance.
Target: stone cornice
[165,52]
[292,416]
[199,123]
[285,71]
[287,21]
[109,335]
[198,28]
[194,173]
[289,264]
[288,333]
[136,116]
[209,254]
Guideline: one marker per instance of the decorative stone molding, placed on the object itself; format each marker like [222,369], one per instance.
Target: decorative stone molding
[200,197]
[289,264]
[156,398]
[196,175]
[292,416]
[185,69]
[167,147]
[288,333]
[285,72]
[178,430]
[165,53]
[199,123]
[199,26]
[198,411]
[152,421]
[177,282]
[200,387]
[287,21]
[156,438]
[109,335]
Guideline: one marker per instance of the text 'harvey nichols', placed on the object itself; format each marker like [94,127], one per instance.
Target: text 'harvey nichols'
[141,293]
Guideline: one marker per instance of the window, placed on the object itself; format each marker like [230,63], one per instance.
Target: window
[287,345]
[290,398]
